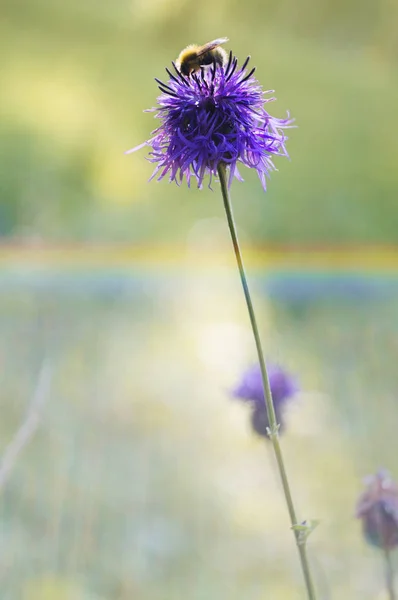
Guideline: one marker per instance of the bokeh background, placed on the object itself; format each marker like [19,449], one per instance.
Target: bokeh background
[143,479]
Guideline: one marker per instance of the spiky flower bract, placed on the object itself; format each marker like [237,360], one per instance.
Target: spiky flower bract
[377,508]
[250,389]
[214,116]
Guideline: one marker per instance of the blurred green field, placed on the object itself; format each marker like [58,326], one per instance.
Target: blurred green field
[76,77]
[144,480]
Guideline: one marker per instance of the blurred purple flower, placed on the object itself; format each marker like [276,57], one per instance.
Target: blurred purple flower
[214,116]
[377,508]
[250,389]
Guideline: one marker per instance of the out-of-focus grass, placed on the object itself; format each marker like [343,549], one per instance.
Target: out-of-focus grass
[76,79]
[145,480]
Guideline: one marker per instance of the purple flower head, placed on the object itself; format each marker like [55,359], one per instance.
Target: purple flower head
[250,389]
[377,508]
[214,116]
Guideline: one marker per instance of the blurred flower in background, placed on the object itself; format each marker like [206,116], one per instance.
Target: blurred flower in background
[377,508]
[250,389]
[122,291]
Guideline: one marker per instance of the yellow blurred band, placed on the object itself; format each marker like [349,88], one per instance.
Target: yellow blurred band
[371,259]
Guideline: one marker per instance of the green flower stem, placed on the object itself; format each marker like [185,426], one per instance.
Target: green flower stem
[389,575]
[273,433]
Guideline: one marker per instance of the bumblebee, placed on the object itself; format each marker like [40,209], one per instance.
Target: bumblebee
[193,57]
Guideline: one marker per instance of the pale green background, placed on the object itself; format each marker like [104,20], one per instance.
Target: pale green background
[144,480]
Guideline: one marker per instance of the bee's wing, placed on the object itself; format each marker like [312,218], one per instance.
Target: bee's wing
[211,46]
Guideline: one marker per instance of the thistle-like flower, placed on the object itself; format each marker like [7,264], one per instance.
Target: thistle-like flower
[214,116]
[250,389]
[377,508]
